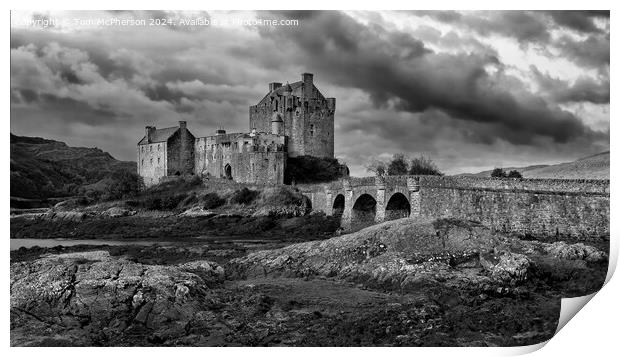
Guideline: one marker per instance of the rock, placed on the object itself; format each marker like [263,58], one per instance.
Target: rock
[579,251]
[118,212]
[379,256]
[507,266]
[107,294]
[198,212]
[210,272]
[280,211]
[75,216]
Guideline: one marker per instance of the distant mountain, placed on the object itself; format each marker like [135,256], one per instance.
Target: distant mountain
[591,167]
[42,168]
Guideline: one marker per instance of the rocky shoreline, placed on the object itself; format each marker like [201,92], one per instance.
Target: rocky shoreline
[409,282]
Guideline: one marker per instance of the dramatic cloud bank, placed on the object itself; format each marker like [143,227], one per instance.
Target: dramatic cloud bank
[473,90]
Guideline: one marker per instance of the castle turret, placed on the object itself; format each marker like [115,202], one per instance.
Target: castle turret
[277,124]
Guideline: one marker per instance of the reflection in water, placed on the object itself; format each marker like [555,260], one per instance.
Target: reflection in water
[48,243]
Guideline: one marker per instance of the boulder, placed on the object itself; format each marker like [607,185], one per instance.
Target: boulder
[399,254]
[506,266]
[578,251]
[75,216]
[118,212]
[198,212]
[96,294]
[210,272]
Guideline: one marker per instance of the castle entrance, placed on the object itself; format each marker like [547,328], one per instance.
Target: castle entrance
[228,171]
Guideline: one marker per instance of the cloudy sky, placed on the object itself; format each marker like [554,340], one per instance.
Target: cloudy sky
[472,90]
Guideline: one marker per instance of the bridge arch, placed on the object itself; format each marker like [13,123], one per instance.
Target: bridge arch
[363,212]
[398,206]
[338,205]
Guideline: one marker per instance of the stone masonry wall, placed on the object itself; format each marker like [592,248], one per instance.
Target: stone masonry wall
[180,153]
[544,209]
[252,160]
[152,162]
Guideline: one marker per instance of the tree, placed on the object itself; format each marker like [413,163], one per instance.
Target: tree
[378,167]
[514,174]
[122,184]
[498,172]
[398,165]
[310,169]
[423,166]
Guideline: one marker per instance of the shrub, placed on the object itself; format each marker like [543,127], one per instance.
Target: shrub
[281,196]
[514,174]
[172,201]
[377,167]
[243,196]
[212,200]
[498,172]
[398,165]
[122,184]
[310,169]
[423,166]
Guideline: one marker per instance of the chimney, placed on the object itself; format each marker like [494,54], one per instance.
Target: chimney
[149,132]
[307,78]
[182,124]
[273,86]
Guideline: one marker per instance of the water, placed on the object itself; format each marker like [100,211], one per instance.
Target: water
[47,243]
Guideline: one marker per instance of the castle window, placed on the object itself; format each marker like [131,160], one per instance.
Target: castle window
[142,162]
[311,129]
[158,147]
[151,148]
[158,160]
[151,161]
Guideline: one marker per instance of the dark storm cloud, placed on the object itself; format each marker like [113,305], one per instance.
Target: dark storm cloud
[523,25]
[534,27]
[592,52]
[579,20]
[584,89]
[440,90]
[396,69]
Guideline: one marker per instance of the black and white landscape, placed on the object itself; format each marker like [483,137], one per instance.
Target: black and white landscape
[306,178]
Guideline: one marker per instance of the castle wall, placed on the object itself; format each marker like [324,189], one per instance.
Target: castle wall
[181,153]
[257,159]
[152,162]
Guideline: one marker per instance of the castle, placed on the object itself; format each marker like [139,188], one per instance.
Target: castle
[291,120]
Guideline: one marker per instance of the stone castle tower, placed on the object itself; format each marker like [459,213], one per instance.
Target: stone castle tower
[291,120]
[299,111]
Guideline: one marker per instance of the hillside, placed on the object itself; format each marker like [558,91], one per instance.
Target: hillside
[42,168]
[591,167]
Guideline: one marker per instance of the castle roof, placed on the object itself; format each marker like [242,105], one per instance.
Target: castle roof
[159,135]
[289,86]
[277,117]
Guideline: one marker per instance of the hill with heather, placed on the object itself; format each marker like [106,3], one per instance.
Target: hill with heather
[591,167]
[43,168]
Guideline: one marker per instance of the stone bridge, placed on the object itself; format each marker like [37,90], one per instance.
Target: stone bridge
[545,208]
[364,201]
